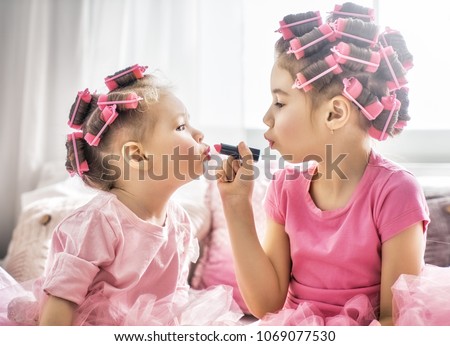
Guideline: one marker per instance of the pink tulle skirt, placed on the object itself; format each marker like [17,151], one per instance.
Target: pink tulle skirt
[357,311]
[213,306]
[418,300]
[423,300]
[13,295]
[20,305]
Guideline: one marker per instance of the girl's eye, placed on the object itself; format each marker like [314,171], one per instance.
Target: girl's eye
[181,127]
[279,104]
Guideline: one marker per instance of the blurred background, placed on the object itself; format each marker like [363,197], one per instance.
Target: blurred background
[218,54]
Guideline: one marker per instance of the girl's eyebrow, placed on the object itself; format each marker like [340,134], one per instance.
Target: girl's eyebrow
[186,116]
[279,91]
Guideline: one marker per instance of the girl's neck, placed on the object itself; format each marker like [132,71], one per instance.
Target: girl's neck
[337,177]
[148,204]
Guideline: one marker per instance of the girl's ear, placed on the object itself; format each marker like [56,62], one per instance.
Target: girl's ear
[133,155]
[338,112]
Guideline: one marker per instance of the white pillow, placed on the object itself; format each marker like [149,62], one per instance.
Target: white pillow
[28,249]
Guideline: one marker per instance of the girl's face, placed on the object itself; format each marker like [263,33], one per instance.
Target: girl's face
[292,130]
[175,149]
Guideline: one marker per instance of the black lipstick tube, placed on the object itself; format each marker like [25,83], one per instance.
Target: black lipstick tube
[233,150]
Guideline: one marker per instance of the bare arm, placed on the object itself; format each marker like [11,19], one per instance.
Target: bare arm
[262,272]
[402,254]
[57,312]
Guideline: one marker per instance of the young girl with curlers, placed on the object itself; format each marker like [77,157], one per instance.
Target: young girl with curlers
[124,257]
[345,238]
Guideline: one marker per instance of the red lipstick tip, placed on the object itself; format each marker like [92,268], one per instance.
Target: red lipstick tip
[218,147]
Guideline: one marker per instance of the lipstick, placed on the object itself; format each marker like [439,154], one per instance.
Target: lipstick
[232,150]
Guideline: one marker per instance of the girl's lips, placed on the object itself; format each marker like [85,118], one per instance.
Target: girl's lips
[206,153]
[270,141]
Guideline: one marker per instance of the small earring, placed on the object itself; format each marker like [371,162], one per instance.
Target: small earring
[332,131]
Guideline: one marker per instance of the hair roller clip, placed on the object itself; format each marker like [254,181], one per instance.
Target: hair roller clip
[302,83]
[81,166]
[390,103]
[400,125]
[109,114]
[397,81]
[131,101]
[321,33]
[341,29]
[135,72]
[369,16]
[342,53]
[391,37]
[387,31]
[352,90]
[287,33]
[83,96]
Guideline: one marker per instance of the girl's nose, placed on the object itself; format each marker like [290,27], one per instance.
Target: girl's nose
[268,119]
[198,135]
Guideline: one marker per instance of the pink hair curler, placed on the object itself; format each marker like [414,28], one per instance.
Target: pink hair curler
[136,69]
[130,102]
[287,33]
[83,166]
[302,83]
[342,51]
[352,90]
[109,114]
[297,48]
[396,82]
[340,27]
[370,15]
[401,124]
[408,64]
[84,96]
[391,104]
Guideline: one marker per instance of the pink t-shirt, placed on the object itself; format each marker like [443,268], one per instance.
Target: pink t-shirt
[336,254]
[104,249]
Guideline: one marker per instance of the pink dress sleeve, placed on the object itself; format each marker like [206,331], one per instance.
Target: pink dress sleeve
[81,244]
[401,205]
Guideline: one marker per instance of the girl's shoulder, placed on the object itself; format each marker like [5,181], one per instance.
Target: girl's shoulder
[100,203]
[99,212]
[390,174]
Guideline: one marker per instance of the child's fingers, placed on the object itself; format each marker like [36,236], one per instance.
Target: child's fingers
[246,171]
[228,169]
[245,153]
[220,175]
[236,164]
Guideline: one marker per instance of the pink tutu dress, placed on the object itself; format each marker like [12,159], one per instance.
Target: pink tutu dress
[120,270]
[336,254]
[358,311]
[423,300]
[418,300]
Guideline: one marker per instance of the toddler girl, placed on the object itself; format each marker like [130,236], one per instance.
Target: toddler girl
[123,258]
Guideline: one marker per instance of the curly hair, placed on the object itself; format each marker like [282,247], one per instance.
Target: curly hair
[379,61]
[87,115]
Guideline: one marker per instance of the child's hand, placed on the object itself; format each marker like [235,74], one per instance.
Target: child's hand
[235,178]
